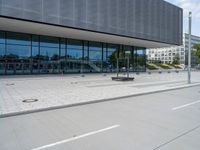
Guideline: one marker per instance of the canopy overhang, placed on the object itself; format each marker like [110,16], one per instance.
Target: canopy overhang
[24,26]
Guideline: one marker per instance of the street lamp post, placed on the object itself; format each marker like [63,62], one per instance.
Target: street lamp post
[189,50]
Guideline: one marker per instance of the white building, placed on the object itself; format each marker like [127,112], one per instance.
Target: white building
[166,55]
[194,40]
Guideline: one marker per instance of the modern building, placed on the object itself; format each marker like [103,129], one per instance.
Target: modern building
[166,55]
[75,36]
[194,40]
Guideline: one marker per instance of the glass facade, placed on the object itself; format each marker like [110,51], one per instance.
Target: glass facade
[37,54]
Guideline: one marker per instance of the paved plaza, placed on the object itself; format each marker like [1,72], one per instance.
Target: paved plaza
[56,91]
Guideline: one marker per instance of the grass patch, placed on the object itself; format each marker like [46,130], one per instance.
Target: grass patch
[151,67]
[175,66]
[163,66]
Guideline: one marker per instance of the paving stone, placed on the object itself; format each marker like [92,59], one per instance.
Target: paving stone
[64,90]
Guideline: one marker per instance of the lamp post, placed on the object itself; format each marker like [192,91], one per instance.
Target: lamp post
[189,50]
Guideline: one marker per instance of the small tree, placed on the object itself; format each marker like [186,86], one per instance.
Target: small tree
[176,60]
[196,52]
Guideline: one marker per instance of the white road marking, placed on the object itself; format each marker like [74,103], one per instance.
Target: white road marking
[76,138]
[186,105]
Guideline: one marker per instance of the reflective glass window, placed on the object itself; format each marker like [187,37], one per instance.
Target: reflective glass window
[18,38]
[62,53]
[48,53]
[2,50]
[35,40]
[74,44]
[63,44]
[46,41]
[140,52]
[74,49]
[2,37]
[104,52]
[112,55]
[18,51]
[2,59]
[95,46]
[73,53]
[95,55]
[141,59]
[95,51]
[112,50]
[63,48]
[35,52]
[86,50]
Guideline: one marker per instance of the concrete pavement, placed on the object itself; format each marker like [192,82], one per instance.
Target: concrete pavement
[63,91]
[147,122]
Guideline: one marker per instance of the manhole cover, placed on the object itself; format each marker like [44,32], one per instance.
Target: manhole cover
[30,100]
[10,84]
[74,82]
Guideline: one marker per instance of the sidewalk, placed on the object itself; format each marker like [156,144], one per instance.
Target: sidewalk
[58,91]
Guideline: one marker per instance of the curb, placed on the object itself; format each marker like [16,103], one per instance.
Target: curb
[95,101]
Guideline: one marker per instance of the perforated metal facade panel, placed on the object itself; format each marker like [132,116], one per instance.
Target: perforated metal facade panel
[154,20]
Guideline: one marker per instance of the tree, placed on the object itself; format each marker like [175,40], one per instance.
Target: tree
[176,60]
[196,52]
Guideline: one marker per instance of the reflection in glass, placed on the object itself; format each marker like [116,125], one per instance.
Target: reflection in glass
[2,37]
[48,53]
[95,56]
[2,59]
[2,51]
[86,51]
[25,54]
[141,59]
[112,56]
[49,57]
[74,55]
[35,40]
[18,38]
[46,41]
[35,60]
[18,59]
[62,54]
[18,52]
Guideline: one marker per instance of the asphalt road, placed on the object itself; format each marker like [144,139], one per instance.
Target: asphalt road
[162,121]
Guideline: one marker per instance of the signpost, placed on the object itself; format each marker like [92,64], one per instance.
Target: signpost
[189,50]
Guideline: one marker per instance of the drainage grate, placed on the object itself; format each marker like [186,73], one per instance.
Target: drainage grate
[74,83]
[29,100]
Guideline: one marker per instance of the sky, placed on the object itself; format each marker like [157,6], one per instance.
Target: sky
[194,7]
